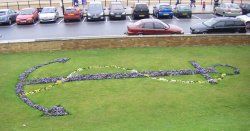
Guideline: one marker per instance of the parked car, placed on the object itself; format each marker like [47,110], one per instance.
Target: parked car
[27,16]
[152,27]
[228,9]
[48,14]
[73,13]
[219,25]
[183,10]
[245,7]
[140,10]
[117,11]
[7,16]
[163,10]
[246,19]
[95,11]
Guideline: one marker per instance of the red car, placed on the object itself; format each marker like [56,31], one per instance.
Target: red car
[27,16]
[152,27]
[73,13]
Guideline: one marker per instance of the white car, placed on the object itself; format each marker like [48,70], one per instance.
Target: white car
[246,19]
[48,14]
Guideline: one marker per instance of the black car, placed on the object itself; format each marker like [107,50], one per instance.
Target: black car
[219,25]
[140,10]
[116,11]
[183,10]
[245,7]
[95,11]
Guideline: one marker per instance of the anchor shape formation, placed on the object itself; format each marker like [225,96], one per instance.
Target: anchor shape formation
[60,111]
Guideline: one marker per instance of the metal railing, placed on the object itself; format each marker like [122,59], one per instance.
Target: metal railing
[41,3]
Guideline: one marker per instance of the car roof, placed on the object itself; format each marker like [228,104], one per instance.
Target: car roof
[27,8]
[140,3]
[95,2]
[164,4]
[226,18]
[4,9]
[150,20]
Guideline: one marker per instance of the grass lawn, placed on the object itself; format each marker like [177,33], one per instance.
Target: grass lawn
[130,104]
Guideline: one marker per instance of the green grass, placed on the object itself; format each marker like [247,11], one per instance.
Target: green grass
[130,104]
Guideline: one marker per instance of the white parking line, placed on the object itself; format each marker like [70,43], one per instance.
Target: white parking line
[106,19]
[129,18]
[36,23]
[196,17]
[176,18]
[152,17]
[60,21]
[83,19]
[13,25]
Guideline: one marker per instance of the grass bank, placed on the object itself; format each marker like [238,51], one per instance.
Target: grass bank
[130,104]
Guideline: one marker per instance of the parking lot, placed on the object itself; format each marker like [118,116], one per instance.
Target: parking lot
[83,28]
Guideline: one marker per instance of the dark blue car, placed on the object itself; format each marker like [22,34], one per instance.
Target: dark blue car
[163,10]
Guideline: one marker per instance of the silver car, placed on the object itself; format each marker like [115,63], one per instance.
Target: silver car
[7,16]
[228,9]
[48,14]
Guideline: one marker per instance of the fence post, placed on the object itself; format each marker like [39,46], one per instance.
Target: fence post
[127,2]
[105,2]
[211,2]
[62,6]
[170,2]
[7,5]
[50,2]
[148,2]
[18,5]
[39,4]
[29,3]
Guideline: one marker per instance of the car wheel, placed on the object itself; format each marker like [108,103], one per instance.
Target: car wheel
[33,21]
[10,22]
[215,12]
[242,30]
[157,15]
[224,15]
[171,17]
[248,25]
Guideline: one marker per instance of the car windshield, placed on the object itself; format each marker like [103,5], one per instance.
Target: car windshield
[26,12]
[184,7]
[95,7]
[210,22]
[48,10]
[70,10]
[233,6]
[165,7]
[2,13]
[116,7]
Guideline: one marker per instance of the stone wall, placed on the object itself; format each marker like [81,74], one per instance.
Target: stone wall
[122,42]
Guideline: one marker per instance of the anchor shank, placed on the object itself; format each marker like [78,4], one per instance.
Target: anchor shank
[116,76]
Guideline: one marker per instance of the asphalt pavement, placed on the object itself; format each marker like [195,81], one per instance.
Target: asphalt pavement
[60,29]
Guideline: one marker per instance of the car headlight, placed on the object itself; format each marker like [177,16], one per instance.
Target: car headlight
[29,19]
[111,13]
[124,13]
[89,14]
[101,13]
